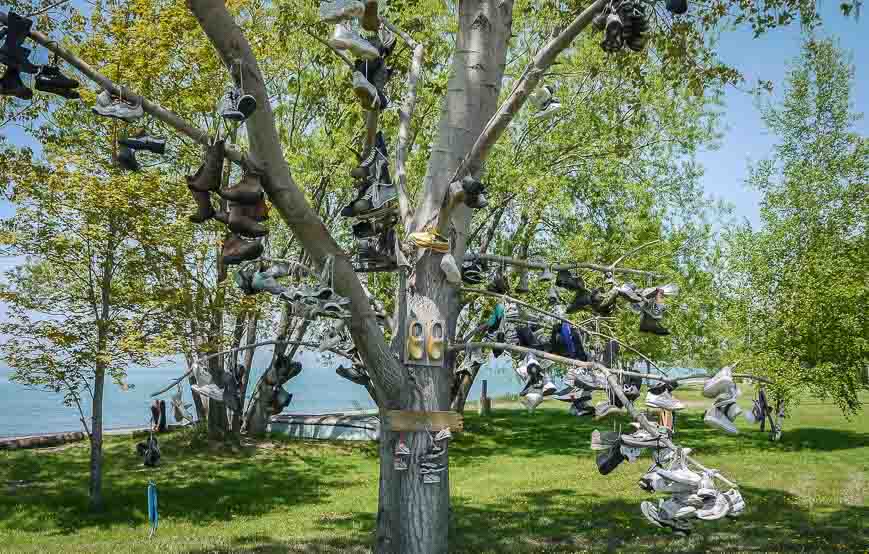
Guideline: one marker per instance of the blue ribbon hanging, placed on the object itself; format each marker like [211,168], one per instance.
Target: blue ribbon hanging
[152,507]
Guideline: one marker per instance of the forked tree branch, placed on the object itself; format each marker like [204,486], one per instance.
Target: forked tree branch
[155,110]
[527,83]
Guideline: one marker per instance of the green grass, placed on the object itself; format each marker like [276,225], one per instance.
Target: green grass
[520,483]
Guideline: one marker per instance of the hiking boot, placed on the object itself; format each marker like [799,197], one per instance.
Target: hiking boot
[610,459]
[207,177]
[248,191]
[363,170]
[143,141]
[450,269]
[677,7]
[229,105]
[714,418]
[345,38]
[237,250]
[241,221]
[51,80]
[378,200]
[12,85]
[663,400]
[370,20]
[204,209]
[651,325]
[126,159]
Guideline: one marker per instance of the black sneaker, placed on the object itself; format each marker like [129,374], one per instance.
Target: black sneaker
[51,80]
[472,273]
[145,142]
[677,7]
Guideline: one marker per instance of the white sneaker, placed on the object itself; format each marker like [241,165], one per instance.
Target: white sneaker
[451,270]
[340,10]
[737,504]
[549,387]
[345,38]
[541,97]
[211,391]
[720,383]
[665,401]
[532,400]
[111,107]
[674,509]
[681,475]
[707,489]
[714,508]
[714,418]
[733,411]
[365,91]
[551,109]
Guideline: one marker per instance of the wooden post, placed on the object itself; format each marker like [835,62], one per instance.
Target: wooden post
[485,401]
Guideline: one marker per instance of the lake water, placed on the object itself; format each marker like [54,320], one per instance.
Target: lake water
[317,389]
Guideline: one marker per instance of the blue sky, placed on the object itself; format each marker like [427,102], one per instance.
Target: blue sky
[744,137]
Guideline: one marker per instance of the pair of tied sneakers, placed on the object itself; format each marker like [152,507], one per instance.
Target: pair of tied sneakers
[659,396]
[128,146]
[237,105]
[724,411]
[49,79]
[118,108]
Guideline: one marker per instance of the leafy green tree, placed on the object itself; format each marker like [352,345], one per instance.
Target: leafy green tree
[800,286]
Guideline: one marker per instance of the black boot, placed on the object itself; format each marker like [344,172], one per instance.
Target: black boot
[648,324]
[12,85]
[580,301]
[127,159]
[12,53]
[566,280]
[143,141]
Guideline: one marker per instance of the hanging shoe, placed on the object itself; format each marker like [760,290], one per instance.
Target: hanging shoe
[651,325]
[714,508]
[435,345]
[415,341]
[737,504]
[204,209]
[126,159]
[542,96]
[523,286]
[12,53]
[677,7]
[664,401]
[450,269]
[143,141]
[581,300]
[51,80]
[248,191]
[263,281]
[244,279]
[229,105]
[568,281]
[352,375]
[237,250]
[613,40]
[345,38]
[246,104]
[472,272]
[379,200]
[547,275]
[280,400]
[109,106]
[207,177]
[12,85]
[636,28]
[365,91]
[552,108]
[341,10]
[363,170]
[210,391]
[714,418]
[720,383]
[499,283]
[430,239]
[609,460]
[553,296]
[370,19]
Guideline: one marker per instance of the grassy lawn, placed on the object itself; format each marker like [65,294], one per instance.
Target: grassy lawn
[519,483]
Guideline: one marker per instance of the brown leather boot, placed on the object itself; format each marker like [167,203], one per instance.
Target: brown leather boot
[248,191]
[207,177]
[204,210]
[237,250]
[242,221]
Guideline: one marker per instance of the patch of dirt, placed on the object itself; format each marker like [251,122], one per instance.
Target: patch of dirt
[854,493]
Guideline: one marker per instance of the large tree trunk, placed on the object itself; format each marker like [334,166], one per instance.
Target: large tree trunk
[95,487]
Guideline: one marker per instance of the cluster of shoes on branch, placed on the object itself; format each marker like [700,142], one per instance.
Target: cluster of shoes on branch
[625,23]
[16,57]
[601,301]
[375,204]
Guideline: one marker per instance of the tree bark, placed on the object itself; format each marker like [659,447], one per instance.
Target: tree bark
[95,487]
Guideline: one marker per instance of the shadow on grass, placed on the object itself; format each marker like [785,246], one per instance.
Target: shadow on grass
[201,485]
